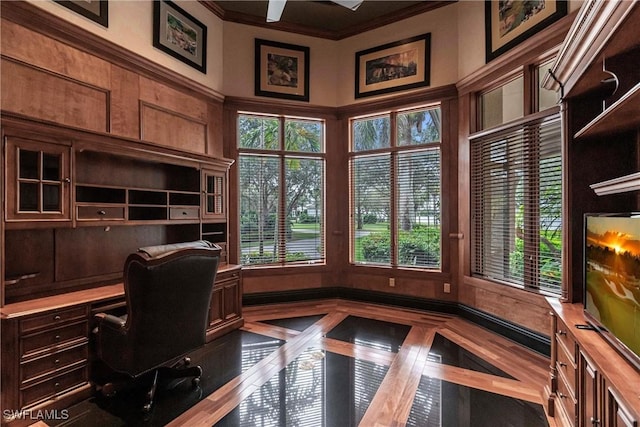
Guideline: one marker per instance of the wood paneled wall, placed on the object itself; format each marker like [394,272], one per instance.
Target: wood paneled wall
[53,71]
[48,77]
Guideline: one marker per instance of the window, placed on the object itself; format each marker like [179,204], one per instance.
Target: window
[395,179]
[502,104]
[282,169]
[516,199]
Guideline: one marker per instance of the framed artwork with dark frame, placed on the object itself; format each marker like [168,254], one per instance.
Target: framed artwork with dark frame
[96,10]
[392,67]
[281,70]
[179,34]
[508,23]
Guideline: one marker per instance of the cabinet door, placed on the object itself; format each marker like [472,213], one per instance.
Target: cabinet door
[617,414]
[38,183]
[590,404]
[214,194]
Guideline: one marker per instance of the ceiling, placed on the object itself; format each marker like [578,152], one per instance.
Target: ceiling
[323,19]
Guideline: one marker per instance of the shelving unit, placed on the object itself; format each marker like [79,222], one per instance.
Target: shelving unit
[598,75]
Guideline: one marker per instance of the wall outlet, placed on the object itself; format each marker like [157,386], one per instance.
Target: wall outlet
[392,282]
[447,288]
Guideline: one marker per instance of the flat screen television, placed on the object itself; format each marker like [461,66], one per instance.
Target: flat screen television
[612,280]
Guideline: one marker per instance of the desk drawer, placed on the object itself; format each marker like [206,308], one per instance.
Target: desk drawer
[51,363]
[52,338]
[52,318]
[184,213]
[59,384]
[100,212]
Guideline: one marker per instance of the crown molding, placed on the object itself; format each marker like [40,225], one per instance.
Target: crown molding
[256,21]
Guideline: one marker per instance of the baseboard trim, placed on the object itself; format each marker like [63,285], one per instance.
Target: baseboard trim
[524,336]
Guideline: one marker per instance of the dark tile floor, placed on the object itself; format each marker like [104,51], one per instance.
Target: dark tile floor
[318,388]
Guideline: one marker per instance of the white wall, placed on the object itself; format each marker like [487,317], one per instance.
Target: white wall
[457,46]
[239,61]
[441,23]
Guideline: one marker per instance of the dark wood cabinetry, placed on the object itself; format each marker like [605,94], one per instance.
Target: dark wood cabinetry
[76,204]
[590,383]
[596,74]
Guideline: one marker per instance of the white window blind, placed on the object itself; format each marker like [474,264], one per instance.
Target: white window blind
[516,205]
[282,175]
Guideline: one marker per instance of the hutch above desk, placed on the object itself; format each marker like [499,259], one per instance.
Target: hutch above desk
[75,204]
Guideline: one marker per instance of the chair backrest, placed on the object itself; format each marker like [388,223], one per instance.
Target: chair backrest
[168,290]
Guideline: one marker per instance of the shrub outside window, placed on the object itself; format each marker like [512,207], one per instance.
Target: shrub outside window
[395,178]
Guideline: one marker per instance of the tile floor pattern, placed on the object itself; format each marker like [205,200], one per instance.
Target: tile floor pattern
[332,380]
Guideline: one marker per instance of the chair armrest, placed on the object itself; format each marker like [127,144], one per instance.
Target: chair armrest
[109,321]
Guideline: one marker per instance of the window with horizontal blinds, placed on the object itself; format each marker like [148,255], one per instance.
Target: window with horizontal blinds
[370,208]
[418,208]
[516,192]
[282,174]
[395,180]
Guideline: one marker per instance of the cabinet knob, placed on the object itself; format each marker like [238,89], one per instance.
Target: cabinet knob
[57,337]
[56,362]
[67,180]
[561,332]
[56,385]
[562,396]
[562,364]
[102,213]
[595,421]
[56,317]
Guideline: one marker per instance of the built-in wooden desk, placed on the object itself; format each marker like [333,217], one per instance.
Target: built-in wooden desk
[46,342]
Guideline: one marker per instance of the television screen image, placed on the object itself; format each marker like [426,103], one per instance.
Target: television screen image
[612,279]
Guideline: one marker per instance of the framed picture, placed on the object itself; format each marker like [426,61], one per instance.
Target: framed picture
[282,70]
[179,34]
[508,23]
[96,10]
[392,67]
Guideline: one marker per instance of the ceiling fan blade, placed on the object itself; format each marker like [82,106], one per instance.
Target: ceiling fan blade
[274,10]
[351,4]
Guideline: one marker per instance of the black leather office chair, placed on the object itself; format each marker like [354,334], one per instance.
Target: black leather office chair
[168,291]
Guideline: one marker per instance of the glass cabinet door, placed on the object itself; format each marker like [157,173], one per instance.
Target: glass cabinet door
[213,193]
[39,182]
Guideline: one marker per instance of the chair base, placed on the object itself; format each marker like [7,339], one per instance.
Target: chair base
[180,370]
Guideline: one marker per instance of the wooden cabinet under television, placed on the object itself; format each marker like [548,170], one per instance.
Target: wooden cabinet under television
[591,384]
[75,205]
[596,73]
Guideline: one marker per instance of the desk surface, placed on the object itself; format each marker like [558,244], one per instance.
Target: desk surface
[68,299]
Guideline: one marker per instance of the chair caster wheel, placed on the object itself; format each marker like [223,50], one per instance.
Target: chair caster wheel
[108,390]
[195,382]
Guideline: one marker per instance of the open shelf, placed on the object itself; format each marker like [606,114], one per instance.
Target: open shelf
[618,185]
[619,117]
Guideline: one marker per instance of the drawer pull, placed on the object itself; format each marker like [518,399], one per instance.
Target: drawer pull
[56,362]
[102,213]
[562,364]
[561,332]
[562,396]
[57,317]
[57,337]
[56,385]
[595,421]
